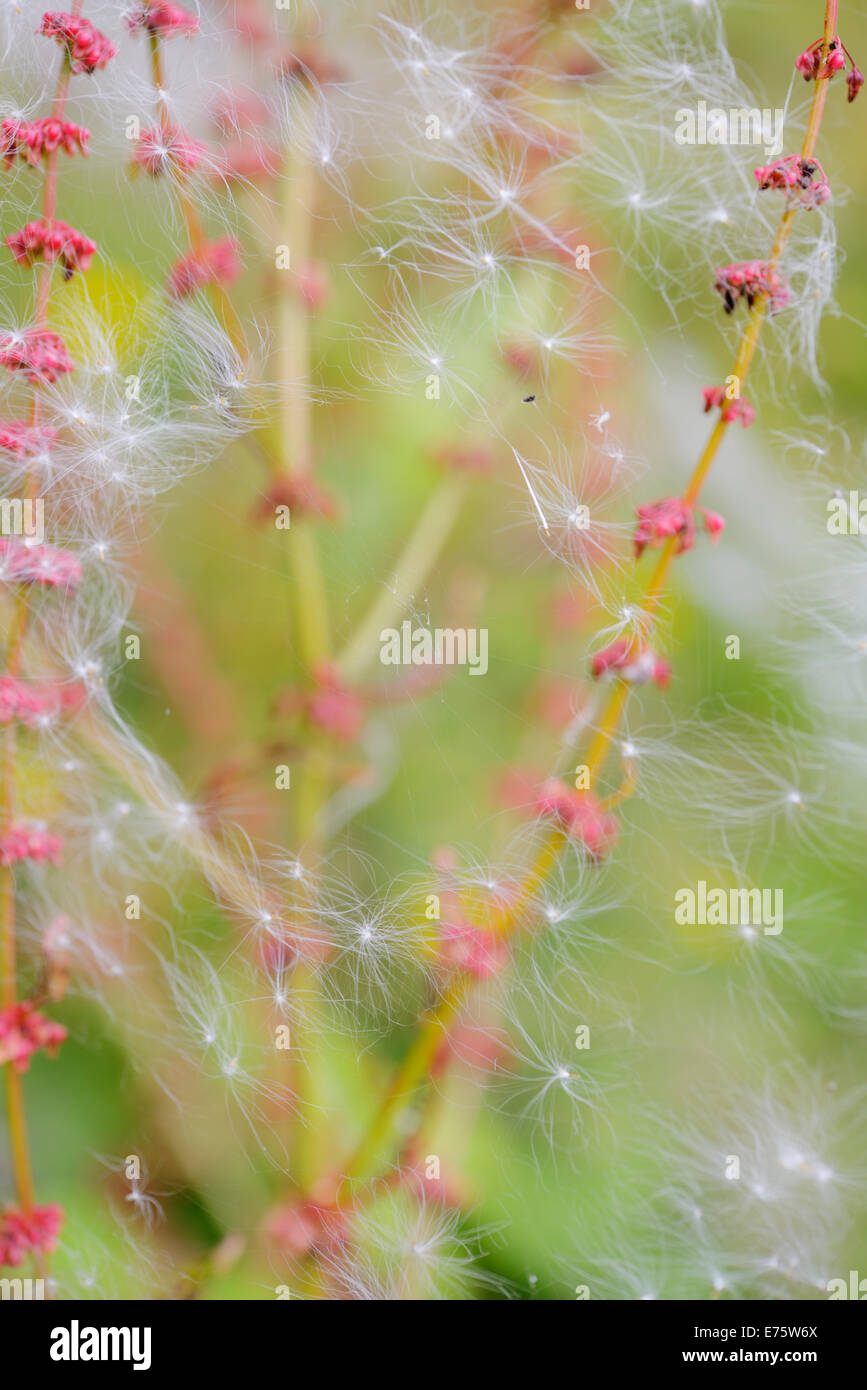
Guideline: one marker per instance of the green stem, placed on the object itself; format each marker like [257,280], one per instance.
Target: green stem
[415,562]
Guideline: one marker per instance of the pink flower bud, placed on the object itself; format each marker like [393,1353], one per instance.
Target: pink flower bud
[23,1233]
[23,703]
[20,843]
[580,814]
[807,63]
[40,354]
[160,151]
[52,241]
[659,521]
[464,459]
[749,280]
[304,1226]
[854,82]
[333,707]
[22,563]
[313,285]
[22,439]
[477,952]
[30,140]
[802,179]
[330,705]
[23,1031]
[217,262]
[162,18]
[637,668]
[732,410]
[301,494]
[87,49]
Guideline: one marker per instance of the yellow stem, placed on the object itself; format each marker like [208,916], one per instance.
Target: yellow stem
[417,1060]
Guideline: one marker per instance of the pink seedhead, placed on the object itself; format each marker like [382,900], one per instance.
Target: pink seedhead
[56,957]
[22,1233]
[164,20]
[811,67]
[40,354]
[20,843]
[751,280]
[23,1031]
[23,703]
[305,1226]
[52,241]
[660,522]
[732,409]
[244,161]
[803,180]
[477,952]
[86,48]
[159,151]
[579,813]
[332,707]
[310,63]
[22,439]
[465,459]
[217,262]
[23,563]
[301,494]
[312,284]
[620,659]
[30,140]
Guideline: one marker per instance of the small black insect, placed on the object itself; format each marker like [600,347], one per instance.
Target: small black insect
[528,399]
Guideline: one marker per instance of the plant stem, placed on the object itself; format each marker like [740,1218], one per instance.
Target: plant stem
[296,456]
[420,1054]
[413,565]
[15,1113]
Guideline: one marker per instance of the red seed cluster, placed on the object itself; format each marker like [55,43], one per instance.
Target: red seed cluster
[813,65]
[24,1031]
[636,667]
[803,180]
[40,354]
[751,280]
[301,494]
[165,20]
[732,410]
[218,262]
[86,48]
[23,703]
[22,439]
[21,563]
[581,815]
[473,950]
[22,1233]
[671,517]
[30,140]
[22,843]
[52,241]
[31,704]
[160,151]
[332,707]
